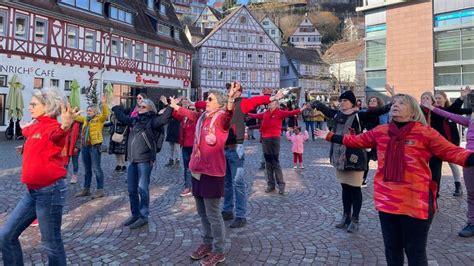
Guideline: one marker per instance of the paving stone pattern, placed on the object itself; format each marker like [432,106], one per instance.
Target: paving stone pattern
[292,230]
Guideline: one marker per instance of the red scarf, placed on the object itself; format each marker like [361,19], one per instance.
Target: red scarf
[427,113]
[394,157]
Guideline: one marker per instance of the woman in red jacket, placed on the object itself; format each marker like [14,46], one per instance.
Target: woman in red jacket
[404,191]
[44,175]
[270,131]
[208,167]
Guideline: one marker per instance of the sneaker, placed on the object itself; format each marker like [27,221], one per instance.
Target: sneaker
[118,168]
[202,251]
[301,166]
[170,163]
[269,189]
[124,168]
[467,231]
[283,193]
[364,184]
[34,223]
[138,223]
[186,192]
[129,221]
[73,179]
[295,167]
[84,193]
[227,216]
[98,194]
[213,259]
[238,222]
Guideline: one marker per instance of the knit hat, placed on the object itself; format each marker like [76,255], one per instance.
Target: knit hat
[348,95]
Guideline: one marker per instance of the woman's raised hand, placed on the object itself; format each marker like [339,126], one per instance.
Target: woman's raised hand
[321,134]
[174,103]
[465,92]
[67,115]
[390,89]
[427,103]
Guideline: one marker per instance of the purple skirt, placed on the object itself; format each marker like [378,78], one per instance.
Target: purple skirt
[208,186]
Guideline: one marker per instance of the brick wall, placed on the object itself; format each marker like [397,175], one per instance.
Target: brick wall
[410,47]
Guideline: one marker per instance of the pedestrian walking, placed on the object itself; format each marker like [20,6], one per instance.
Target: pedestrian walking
[44,174]
[91,142]
[172,137]
[297,139]
[270,132]
[118,142]
[350,163]
[468,172]
[208,167]
[142,149]
[404,192]
[308,119]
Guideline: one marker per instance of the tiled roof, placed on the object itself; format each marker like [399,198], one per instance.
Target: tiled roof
[143,27]
[344,51]
[305,56]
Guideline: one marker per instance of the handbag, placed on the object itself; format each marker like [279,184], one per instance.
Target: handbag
[118,138]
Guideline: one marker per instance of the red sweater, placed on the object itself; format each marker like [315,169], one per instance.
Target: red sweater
[43,162]
[212,159]
[187,130]
[272,120]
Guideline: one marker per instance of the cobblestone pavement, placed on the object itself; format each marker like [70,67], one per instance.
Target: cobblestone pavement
[297,229]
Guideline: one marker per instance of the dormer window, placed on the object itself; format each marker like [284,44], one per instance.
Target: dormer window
[164,30]
[150,4]
[95,6]
[162,9]
[120,15]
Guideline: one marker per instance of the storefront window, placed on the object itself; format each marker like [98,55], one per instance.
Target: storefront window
[89,41]
[72,37]
[21,27]
[41,31]
[38,83]
[123,94]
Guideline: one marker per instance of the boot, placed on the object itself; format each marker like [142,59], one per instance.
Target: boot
[98,194]
[84,192]
[353,226]
[170,163]
[458,189]
[467,231]
[345,221]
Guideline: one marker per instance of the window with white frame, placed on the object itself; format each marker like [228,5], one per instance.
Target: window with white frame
[235,56]
[127,49]
[163,56]
[89,40]
[38,83]
[243,76]
[210,54]
[220,75]
[3,23]
[41,30]
[176,34]
[209,75]
[139,51]
[120,15]
[271,58]
[233,75]
[164,30]
[95,6]
[181,61]
[272,32]
[253,76]
[265,23]
[21,26]
[260,39]
[67,85]
[115,47]
[243,38]
[249,57]
[72,37]
[224,56]
[268,76]
[150,54]
[260,58]
[54,83]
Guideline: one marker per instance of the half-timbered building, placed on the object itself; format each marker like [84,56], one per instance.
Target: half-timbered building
[134,45]
[238,48]
[306,36]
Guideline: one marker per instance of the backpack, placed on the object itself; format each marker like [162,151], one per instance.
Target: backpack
[157,135]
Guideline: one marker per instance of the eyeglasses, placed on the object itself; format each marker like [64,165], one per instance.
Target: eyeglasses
[34,104]
[142,106]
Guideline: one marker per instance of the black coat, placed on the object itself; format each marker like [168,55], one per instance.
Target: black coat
[117,127]
[172,131]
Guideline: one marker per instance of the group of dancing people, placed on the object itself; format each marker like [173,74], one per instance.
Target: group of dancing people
[410,144]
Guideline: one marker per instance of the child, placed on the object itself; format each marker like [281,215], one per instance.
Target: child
[298,139]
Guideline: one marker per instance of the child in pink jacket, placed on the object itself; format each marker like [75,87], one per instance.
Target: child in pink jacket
[297,138]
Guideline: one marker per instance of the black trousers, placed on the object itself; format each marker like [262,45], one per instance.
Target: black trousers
[402,233]
[436,165]
[271,153]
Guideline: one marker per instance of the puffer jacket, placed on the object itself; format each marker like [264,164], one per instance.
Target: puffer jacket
[297,140]
[415,196]
[141,144]
[96,125]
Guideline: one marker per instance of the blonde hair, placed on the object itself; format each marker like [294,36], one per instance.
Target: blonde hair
[445,96]
[417,113]
[52,99]
[429,94]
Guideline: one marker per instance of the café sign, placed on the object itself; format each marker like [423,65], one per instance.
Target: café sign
[21,70]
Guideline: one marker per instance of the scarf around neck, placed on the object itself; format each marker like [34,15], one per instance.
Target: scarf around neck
[394,157]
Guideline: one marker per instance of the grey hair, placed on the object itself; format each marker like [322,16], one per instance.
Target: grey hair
[220,96]
[417,114]
[52,99]
[150,104]
[94,108]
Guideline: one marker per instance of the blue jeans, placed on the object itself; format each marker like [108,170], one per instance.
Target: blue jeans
[138,181]
[234,182]
[187,151]
[75,163]
[91,159]
[45,204]
[310,124]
